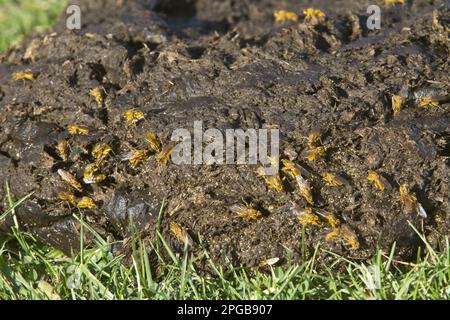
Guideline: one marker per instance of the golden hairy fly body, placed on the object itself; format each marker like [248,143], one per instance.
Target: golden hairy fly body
[344,234]
[290,168]
[246,212]
[333,180]
[98,94]
[91,174]
[136,156]
[315,153]
[273,182]
[304,189]
[154,143]
[378,181]
[100,151]
[68,197]
[70,179]
[62,148]
[164,156]
[76,130]
[397,103]
[23,76]
[410,203]
[180,233]
[312,13]
[306,216]
[133,116]
[86,203]
[283,16]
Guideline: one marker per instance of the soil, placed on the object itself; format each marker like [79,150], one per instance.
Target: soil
[231,65]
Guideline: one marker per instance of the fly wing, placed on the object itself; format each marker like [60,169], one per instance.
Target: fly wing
[421,211]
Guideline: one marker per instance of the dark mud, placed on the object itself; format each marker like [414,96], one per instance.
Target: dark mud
[230,65]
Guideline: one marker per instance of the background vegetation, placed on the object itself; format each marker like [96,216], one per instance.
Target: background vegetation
[18,17]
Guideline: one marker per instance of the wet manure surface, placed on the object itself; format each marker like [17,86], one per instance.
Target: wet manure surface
[363,117]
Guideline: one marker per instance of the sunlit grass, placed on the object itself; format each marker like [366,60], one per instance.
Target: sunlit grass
[30,270]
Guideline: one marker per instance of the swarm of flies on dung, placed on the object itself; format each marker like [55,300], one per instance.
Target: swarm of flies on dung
[427,96]
[295,177]
[79,143]
[86,160]
[308,210]
[82,166]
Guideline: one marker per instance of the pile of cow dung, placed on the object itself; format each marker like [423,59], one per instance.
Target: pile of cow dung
[230,64]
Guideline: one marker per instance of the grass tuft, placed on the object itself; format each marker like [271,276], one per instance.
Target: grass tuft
[30,270]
